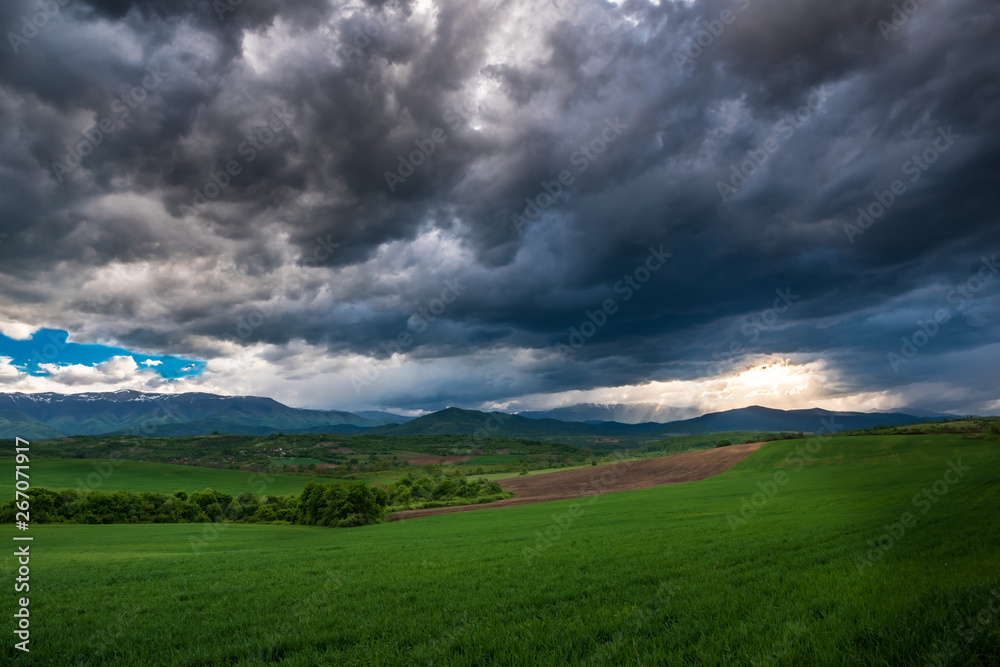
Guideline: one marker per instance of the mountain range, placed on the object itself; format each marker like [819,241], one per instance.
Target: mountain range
[753,418]
[50,415]
[57,415]
[638,413]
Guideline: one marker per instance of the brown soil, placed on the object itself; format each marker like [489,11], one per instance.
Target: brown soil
[427,458]
[620,476]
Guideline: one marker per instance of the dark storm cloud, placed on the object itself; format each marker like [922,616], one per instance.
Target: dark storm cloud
[517,95]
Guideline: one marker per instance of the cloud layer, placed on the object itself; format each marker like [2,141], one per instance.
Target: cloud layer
[419,204]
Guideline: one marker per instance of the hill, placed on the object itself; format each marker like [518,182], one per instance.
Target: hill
[51,415]
[757,418]
[626,413]
[382,415]
[503,425]
[754,418]
[637,413]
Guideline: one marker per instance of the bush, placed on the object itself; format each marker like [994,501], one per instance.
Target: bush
[723,443]
[330,504]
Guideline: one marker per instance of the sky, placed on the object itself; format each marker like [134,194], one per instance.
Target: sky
[691,206]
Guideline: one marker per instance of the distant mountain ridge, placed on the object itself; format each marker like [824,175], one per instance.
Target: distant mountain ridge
[503,425]
[382,415]
[59,415]
[753,418]
[51,415]
[638,413]
[626,413]
[758,418]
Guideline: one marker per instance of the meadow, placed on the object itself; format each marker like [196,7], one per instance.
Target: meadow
[119,475]
[807,552]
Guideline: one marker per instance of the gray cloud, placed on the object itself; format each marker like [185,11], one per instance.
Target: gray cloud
[519,94]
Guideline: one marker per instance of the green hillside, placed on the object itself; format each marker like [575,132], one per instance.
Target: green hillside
[494,424]
[797,556]
[224,449]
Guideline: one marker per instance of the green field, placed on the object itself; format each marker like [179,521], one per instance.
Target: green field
[507,475]
[493,460]
[119,475]
[652,577]
[291,461]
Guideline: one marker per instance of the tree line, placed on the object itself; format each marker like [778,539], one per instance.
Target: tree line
[336,504]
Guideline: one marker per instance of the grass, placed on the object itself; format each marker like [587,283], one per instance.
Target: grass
[120,475]
[507,475]
[649,577]
[291,461]
[493,460]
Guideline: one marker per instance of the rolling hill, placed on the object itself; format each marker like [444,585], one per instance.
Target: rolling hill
[636,413]
[754,418]
[503,425]
[171,415]
[757,418]
[58,415]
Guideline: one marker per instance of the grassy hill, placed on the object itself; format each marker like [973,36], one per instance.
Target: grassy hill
[242,450]
[653,577]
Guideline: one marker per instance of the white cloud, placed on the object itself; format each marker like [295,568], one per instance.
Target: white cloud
[17,330]
[773,383]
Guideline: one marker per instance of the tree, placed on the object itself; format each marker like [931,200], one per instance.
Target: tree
[445,489]
[723,443]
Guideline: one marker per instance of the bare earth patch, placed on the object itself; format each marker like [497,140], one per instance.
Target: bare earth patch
[612,477]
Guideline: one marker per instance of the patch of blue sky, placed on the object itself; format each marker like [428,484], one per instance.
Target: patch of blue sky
[52,346]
